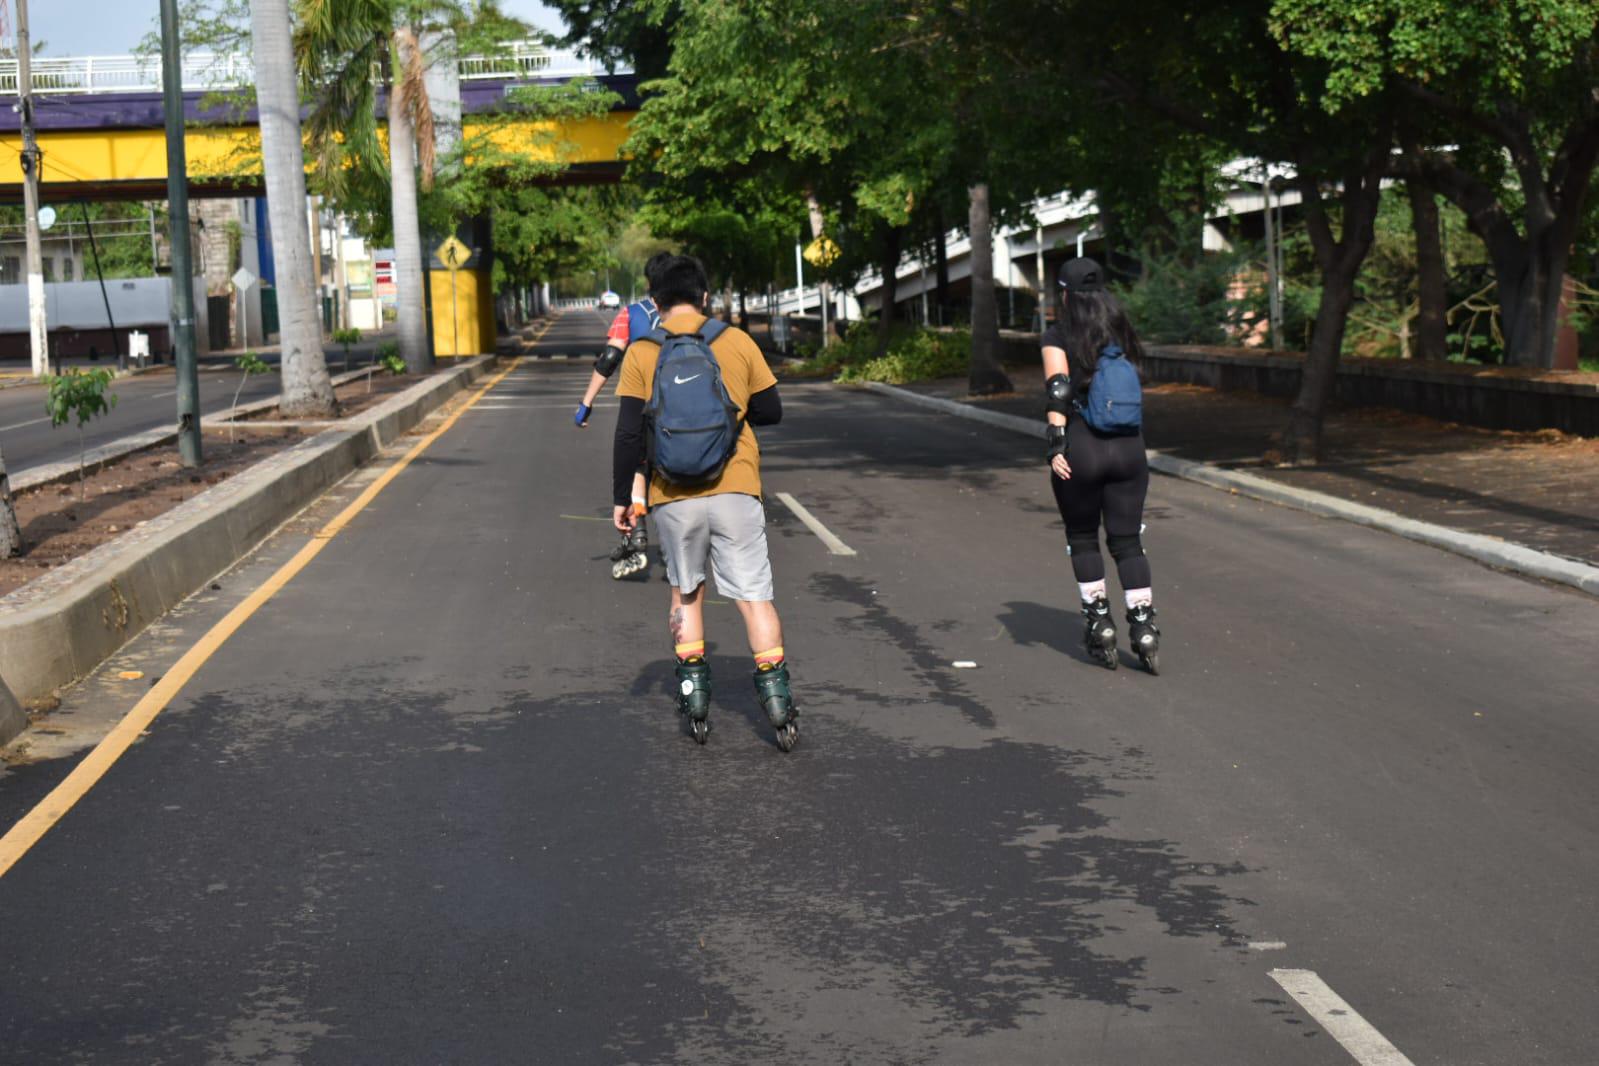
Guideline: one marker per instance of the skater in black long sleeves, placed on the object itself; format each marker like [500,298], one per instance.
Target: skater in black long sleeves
[1096,456]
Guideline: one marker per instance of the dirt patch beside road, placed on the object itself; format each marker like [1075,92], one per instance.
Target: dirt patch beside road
[61,522]
[353,397]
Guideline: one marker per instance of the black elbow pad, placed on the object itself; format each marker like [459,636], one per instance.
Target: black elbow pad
[1058,394]
[608,361]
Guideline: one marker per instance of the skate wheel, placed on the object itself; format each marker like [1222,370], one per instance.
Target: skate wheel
[701,728]
[788,736]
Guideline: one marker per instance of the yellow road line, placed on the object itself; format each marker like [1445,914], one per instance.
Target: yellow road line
[37,822]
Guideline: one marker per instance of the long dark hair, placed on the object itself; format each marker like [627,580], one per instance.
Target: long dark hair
[1092,321]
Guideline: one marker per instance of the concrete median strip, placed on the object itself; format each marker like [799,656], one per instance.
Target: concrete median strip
[59,627]
[1516,558]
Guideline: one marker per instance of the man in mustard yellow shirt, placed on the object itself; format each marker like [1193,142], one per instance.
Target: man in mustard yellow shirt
[720,521]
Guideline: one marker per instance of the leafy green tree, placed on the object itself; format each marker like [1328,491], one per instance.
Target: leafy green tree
[857,107]
[84,394]
[638,33]
[1500,118]
[1217,70]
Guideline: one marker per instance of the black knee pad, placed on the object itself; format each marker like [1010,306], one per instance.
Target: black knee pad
[1124,546]
[1081,541]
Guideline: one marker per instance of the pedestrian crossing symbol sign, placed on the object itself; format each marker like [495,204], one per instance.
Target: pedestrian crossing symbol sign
[453,254]
[822,252]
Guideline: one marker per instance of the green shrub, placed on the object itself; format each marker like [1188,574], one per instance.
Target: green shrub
[919,356]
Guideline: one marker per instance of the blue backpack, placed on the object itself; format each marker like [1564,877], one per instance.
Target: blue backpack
[694,424]
[1115,402]
[642,319]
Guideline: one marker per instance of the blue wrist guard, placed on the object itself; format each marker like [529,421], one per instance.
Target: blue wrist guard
[581,416]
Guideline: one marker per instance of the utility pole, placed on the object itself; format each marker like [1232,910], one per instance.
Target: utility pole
[182,255]
[1044,287]
[1274,294]
[38,338]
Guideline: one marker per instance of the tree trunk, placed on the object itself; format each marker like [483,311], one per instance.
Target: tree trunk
[408,275]
[307,390]
[10,532]
[1530,285]
[1302,443]
[986,375]
[743,312]
[890,269]
[941,270]
[1432,327]
[1339,261]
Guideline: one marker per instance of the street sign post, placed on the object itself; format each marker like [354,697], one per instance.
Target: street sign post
[242,280]
[453,254]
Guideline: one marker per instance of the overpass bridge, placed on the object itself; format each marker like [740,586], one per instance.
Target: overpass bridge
[101,122]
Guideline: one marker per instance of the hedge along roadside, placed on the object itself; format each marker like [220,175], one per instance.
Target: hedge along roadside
[59,627]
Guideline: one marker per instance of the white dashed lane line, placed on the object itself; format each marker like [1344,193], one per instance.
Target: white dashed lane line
[834,545]
[1342,1022]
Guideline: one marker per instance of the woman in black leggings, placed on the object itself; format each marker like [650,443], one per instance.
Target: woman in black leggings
[1094,473]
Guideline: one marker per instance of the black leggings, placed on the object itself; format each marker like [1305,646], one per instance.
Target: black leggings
[1110,475]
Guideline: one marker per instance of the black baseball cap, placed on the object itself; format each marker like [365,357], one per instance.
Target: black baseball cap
[1082,275]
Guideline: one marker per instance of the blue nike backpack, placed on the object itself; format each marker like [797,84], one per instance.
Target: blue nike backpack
[693,423]
[1115,402]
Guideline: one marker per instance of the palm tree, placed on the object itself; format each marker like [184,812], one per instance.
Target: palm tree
[344,49]
[307,390]
[10,532]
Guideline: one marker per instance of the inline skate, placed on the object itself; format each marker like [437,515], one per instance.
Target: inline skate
[1144,636]
[1099,634]
[632,555]
[694,696]
[771,687]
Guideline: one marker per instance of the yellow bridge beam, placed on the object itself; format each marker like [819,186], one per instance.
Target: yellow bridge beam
[131,164]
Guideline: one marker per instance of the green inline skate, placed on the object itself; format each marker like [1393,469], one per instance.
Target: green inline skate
[771,686]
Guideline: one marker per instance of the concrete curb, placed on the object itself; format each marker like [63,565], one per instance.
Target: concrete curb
[62,625]
[52,473]
[1497,553]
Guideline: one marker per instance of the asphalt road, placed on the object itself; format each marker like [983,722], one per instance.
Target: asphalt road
[431,803]
[144,402]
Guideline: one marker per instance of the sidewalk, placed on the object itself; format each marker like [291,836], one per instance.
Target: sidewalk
[1538,489]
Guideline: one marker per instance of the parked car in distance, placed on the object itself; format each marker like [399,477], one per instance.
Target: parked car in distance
[610,299]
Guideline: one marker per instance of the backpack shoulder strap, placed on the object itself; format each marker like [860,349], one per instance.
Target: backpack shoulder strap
[656,336]
[713,328]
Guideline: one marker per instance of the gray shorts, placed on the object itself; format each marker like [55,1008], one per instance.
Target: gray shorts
[729,529]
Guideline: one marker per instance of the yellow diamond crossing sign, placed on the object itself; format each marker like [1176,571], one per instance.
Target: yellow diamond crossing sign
[822,251]
[453,254]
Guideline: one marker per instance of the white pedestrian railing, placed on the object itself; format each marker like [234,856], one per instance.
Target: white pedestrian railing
[529,61]
[205,71]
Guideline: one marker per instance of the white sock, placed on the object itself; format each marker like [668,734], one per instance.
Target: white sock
[1139,598]
[1093,590]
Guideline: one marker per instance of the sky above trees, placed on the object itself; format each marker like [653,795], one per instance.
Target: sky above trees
[115,27]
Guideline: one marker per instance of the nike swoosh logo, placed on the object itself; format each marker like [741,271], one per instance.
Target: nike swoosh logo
[682,381]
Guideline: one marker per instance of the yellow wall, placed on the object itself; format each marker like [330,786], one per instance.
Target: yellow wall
[131,155]
[214,152]
[472,330]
